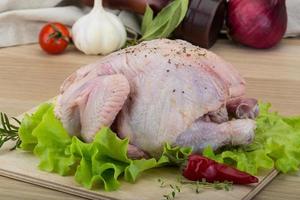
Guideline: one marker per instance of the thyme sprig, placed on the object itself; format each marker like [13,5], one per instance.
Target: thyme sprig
[175,189]
[9,131]
[203,184]
[162,183]
[200,186]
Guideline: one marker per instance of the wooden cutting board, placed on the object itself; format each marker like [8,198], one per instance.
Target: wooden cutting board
[29,77]
[22,166]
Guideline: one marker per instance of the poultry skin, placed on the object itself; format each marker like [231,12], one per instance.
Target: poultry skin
[156,92]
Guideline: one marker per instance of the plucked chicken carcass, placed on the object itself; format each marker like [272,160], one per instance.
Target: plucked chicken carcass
[156,92]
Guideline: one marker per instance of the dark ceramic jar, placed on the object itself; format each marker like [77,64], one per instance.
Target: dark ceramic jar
[203,22]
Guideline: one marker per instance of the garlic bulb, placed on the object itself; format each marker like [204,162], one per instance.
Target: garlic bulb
[99,32]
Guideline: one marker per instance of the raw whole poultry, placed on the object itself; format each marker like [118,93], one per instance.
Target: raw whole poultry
[156,92]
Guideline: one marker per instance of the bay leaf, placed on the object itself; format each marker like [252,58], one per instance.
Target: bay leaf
[147,19]
[166,20]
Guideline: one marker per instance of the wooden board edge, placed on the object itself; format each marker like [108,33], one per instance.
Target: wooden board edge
[54,186]
[263,183]
[89,195]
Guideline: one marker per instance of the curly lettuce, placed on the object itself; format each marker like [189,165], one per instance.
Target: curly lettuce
[29,123]
[276,144]
[104,161]
[97,164]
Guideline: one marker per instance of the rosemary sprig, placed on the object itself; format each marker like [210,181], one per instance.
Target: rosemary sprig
[9,131]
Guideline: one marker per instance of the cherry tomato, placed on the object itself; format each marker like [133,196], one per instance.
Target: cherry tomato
[54,38]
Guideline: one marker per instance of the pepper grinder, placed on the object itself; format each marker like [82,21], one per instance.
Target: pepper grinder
[201,25]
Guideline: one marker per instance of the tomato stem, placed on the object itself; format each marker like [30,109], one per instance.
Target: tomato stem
[57,34]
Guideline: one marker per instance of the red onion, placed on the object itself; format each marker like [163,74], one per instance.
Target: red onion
[257,23]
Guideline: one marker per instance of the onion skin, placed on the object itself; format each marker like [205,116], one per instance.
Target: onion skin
[257,23]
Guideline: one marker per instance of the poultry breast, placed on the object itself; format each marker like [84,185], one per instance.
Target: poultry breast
[156,92]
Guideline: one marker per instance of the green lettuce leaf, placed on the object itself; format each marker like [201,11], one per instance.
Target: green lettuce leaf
[276,144]
[104,161]
[53,144]
[97,164]
[28,124]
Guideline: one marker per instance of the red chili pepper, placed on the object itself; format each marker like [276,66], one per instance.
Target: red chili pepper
[199,167]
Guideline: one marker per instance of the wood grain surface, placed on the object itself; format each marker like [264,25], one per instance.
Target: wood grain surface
[29,77]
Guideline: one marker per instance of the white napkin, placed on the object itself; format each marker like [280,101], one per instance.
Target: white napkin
[21,20]
[293,8]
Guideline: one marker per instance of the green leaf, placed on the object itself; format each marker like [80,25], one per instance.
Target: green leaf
[52,145]
[178,15]
[28,124]
[109,142]
[276,144]
[166,21]
[136,167]
[180,153]
[147,19]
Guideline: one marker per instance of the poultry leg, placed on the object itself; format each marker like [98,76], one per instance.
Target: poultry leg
[201,134]
[242,108]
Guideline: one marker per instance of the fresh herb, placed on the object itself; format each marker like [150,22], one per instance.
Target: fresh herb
[9,131]
[203,184]
[200,186]
[131,42]
[162,183]
[147,19]
[175,189]
[166,21]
